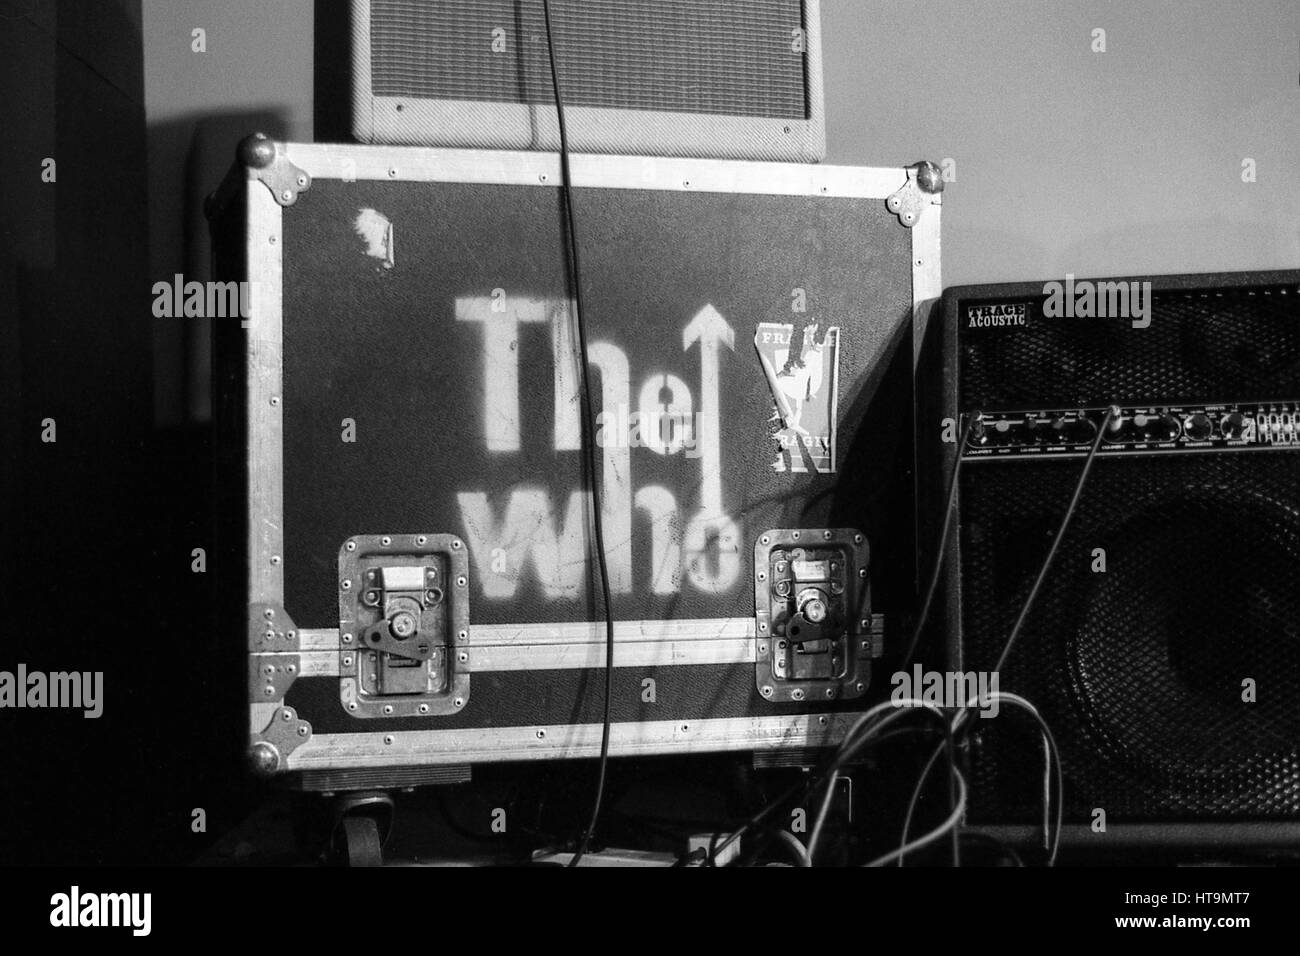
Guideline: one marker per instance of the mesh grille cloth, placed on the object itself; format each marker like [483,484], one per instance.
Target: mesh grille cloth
[1139,670]
[1200,346]
[691,56]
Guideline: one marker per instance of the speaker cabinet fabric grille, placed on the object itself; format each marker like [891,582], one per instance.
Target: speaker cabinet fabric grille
[1139,663]
[1139,670]
[690,56]
[718,79]
[1201,345]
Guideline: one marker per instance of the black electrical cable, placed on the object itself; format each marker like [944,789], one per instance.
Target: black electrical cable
[1027,606]
[588,434]
[940,550]
[1111,414]
[842,755]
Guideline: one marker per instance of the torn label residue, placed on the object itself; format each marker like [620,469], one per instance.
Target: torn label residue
[802,371]
[377,230]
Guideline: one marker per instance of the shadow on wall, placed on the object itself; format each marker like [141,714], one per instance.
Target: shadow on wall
[188,157]
[332,100]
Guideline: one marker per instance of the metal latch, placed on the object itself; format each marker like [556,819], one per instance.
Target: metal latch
[404,625]
[812,601]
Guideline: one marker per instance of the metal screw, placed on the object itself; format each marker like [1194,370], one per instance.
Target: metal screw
[302,180]
[424,708]
[268,614]
[685,727]
[462,635]
[269,669]
[762,626]
[346,585]
[822,721]
[795,535]
[275,559]
[866,645]
[392,172]
[796,694]
[762,575]
[857,539]
[420,539]
[385,541]
[271,239]
[388,738]
[455,544]
[287,195]
[275,399]
[765,691]
[292,634]
[862,572]
[780,645]
[269,691]
[459,701]
[830,691]
[347,661]
[826,535]
[462,657]
[859,686]
[347,638]
[292,668]
[541,734]
[460,581]
[766,539]
[541,178]
[352,706]
[388,708]
[302,731]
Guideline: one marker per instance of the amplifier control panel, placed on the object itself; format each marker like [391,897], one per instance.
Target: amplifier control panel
[1149,429]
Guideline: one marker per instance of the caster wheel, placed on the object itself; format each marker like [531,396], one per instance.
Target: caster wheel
[361,845]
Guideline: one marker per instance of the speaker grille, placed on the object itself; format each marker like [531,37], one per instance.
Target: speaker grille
[1201,346]
[732,57]
[1139,668]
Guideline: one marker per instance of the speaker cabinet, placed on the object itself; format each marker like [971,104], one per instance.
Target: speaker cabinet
[1164,647]
[725,79]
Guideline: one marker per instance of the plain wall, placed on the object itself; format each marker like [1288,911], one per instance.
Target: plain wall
[255,76]
[1066,160]
[1128,161]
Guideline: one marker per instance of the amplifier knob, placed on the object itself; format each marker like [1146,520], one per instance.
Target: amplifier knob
[1159,428]
[1233,425]
[1001,434]
[1198,427]
[1053,431]
[979,434]
[1081,431]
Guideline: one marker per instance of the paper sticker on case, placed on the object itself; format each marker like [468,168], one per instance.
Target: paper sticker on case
[802,370]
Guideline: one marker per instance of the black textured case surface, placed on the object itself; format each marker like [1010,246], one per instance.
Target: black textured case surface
[374,347]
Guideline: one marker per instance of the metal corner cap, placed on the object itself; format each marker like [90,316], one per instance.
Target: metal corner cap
[928,176]
[256,151]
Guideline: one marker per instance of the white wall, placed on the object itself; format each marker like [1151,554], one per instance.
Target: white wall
[1127,161]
